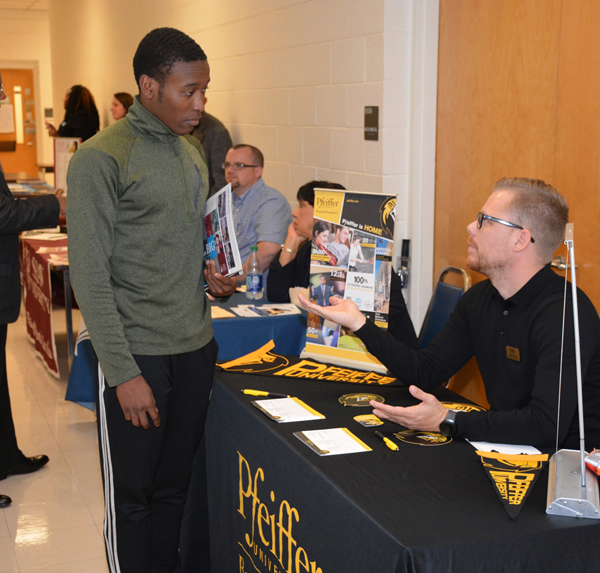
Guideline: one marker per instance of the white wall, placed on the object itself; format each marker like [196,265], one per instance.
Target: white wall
[26,45]
[289,76]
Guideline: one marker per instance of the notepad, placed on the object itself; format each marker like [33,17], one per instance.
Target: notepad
[284,410]
[510,449]
[332,442]
[218,312]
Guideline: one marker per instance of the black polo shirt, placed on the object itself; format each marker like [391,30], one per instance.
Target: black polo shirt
[517,344]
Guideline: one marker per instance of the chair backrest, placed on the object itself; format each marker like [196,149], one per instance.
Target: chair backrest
[442,303]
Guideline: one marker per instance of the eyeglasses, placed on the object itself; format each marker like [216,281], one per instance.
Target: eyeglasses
[236,166]
[481,217]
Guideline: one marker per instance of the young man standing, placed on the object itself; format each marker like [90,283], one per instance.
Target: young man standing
[135,210]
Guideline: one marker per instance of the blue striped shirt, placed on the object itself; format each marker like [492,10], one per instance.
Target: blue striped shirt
[260,214]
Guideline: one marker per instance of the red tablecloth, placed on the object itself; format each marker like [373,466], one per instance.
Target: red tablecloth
[37,296]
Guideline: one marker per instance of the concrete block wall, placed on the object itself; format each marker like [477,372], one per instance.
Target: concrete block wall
[289,76]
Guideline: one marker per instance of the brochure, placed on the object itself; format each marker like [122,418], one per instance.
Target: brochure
[351,258]
[220,243]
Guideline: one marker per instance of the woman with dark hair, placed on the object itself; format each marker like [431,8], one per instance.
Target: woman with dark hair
[121,103]
[291,268]
[81,115]
[320,233]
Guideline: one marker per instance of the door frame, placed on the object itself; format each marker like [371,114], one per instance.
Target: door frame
[39,116]
[422,146]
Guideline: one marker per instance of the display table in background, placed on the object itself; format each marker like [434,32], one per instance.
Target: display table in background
[240,336]
[37,295]
[235,336]
[276,505]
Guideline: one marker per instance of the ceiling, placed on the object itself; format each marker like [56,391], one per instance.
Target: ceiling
[24,4]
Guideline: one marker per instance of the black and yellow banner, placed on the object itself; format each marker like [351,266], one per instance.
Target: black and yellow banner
[264,361]
[513,477]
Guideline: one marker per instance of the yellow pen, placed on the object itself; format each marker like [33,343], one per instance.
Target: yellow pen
[387,442]
[262,393]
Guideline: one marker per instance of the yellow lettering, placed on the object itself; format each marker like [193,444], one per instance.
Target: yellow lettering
[252,492]
[243,494]
[371,376]
[301,553]
[291,511]
[263,515]
[302,368]
[291,557]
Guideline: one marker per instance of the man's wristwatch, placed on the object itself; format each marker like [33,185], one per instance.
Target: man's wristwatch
[448,426]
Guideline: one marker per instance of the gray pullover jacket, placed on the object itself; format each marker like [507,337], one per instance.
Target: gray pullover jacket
[135,215]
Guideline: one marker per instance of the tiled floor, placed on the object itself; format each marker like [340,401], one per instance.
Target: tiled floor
[54,524]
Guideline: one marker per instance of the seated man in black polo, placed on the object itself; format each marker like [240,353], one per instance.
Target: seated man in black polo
[512,324]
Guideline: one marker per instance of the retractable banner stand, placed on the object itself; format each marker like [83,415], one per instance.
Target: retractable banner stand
[351,258]
[64,149]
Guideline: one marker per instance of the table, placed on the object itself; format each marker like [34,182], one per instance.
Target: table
[18,176]
[37,294]
[235,336]
[273,502]
[240,336]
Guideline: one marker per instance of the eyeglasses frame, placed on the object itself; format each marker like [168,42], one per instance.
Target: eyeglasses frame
[236,166]
[481,217]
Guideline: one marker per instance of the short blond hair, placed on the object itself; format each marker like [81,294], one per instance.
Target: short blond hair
[539,208]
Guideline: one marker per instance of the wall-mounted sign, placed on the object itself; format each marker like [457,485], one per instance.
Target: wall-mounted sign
[372,123]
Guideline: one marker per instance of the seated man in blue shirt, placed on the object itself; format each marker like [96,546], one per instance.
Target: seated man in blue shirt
[262,214]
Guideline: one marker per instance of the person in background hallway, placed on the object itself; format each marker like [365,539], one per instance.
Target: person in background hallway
[81,115]
[216,141]
[512,324]
[120,105]
[137,193]
[16,215]
[291,266]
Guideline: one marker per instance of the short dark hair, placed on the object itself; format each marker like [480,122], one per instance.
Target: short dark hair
[160,49]
[257,156]
[125,99]
[307,191]
[540,208]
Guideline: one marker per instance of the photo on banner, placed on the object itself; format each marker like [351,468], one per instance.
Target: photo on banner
[351,258]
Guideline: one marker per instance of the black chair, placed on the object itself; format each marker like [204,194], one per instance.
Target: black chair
[442,303]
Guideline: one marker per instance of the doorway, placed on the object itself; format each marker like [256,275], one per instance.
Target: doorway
[18,137]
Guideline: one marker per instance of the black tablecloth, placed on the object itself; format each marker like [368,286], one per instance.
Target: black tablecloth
[425,509]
